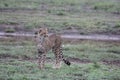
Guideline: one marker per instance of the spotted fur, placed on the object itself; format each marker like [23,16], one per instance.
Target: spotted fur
[46,43]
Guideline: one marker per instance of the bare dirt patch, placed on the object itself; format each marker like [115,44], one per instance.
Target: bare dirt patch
[69,37]
[50,60]
[4,56]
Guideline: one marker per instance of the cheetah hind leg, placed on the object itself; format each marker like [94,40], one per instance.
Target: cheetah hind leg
[58,62]
[57,65]
[41,61]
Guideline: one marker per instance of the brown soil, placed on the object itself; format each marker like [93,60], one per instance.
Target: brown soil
[67,37]
[71,59]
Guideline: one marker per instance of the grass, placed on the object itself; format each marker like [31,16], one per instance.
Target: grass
[94,51]
[18,57]
[12,68]
[107,6]
[87,16]
[25,70]
[10,30]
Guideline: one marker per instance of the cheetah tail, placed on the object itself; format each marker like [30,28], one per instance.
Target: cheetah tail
[67,62]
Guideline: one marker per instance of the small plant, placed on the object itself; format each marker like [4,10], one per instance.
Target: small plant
[12,23]
[60,13]
[5,4]
[49,11]
[96,65]
[10,30]
[65,23]
[25,78]
[117,26]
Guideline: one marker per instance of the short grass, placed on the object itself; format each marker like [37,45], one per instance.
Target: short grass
[87,16]
[90,50]
[14,66]
[93,51]
[76,4]
[24,70]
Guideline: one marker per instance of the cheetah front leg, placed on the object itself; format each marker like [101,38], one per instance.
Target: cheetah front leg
[41,60]
[57,64]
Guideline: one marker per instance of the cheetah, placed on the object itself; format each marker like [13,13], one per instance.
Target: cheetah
[46,43]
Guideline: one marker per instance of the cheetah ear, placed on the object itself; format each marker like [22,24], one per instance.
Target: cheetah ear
[46,30]
[35,31]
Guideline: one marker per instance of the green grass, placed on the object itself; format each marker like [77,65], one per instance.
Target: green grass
[111,6]
[12,68]
[94,51]
[76,4]
[25,70]
[87,16]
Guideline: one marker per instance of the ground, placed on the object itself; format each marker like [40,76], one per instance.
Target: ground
[88,17]
[91,59]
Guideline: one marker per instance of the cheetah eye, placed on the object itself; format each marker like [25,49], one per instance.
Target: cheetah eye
[36,33]
[40,31]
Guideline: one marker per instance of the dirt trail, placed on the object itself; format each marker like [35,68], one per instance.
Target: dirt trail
[67,36]
[71,59]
